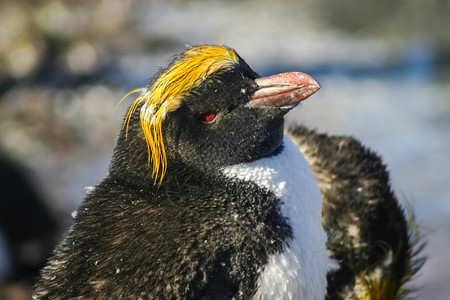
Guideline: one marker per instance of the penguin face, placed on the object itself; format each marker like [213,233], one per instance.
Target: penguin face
[208,109]
[216,127]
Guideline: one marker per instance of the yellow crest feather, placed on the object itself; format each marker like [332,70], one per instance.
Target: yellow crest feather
[167,92]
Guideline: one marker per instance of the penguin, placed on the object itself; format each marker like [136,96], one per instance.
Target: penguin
[28,229]
[209,196]
[205,196]
[376,245]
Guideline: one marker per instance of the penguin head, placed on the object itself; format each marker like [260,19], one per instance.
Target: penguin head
[208,109]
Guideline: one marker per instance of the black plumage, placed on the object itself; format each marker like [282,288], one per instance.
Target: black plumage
[366,226]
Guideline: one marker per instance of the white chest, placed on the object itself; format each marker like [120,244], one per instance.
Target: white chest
[299,271]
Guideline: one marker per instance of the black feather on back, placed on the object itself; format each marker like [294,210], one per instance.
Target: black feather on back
[361,214]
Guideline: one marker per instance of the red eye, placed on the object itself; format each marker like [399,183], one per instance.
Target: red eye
[209,116]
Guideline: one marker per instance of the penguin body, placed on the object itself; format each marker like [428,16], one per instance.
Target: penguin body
[170,221]
[206,240]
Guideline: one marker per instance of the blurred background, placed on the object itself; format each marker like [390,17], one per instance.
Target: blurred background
[384,67]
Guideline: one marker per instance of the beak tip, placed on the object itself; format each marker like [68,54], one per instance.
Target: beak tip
[309,79]
[315,87]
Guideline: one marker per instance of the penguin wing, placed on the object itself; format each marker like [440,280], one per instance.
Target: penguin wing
[368,233]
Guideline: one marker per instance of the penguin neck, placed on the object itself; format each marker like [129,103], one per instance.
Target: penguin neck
[283,173]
